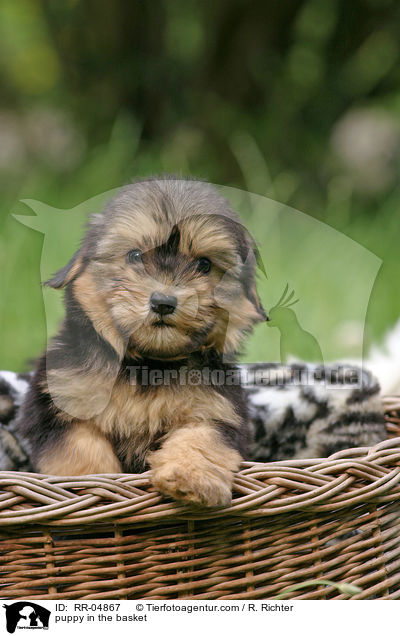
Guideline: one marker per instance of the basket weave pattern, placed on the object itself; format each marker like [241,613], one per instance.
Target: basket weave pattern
[114,537]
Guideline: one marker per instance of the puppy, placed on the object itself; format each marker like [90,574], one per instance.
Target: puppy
[158,300]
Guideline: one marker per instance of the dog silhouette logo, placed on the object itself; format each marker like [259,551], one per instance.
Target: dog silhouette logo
[26,615]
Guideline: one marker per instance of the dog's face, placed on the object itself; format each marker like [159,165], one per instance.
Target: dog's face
[166,270]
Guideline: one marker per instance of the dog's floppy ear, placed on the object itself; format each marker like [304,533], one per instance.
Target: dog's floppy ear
[254,259]
[67,273]
[255,299]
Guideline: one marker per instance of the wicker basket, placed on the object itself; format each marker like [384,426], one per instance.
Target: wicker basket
[113,537]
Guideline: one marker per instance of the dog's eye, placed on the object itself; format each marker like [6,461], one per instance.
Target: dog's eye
[203,265]
[134,257]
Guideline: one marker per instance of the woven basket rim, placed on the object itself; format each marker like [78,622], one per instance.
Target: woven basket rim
[346,479]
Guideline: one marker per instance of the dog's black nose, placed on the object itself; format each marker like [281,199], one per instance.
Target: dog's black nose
[162,304]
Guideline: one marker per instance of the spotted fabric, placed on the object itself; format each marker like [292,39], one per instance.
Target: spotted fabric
[302,411]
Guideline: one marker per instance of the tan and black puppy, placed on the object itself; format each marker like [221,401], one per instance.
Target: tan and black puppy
[158,298]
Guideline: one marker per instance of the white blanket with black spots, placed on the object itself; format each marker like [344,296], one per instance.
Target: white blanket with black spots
[295,411]
[301,411]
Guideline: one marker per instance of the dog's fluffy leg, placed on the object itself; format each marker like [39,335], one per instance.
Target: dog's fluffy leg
[84,451]
[195,465]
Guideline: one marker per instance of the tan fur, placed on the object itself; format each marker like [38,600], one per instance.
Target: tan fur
[123,235]
[234,319]
[95,306]
[140,417]
[84,451]
[80,394]
[202,235]
[118,407]
[195,466]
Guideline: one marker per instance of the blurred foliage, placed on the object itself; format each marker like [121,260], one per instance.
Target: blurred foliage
[298,100]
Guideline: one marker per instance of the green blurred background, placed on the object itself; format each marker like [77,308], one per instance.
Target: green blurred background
[295,100]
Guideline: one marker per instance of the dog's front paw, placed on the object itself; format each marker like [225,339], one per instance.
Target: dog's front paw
[192,485]
[194,465]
